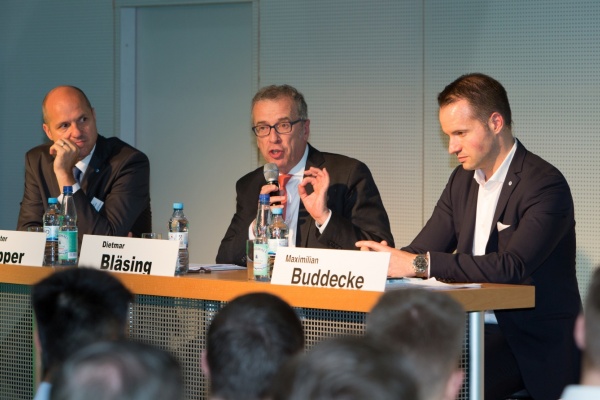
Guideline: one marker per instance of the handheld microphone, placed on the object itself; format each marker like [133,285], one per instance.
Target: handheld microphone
[271,173]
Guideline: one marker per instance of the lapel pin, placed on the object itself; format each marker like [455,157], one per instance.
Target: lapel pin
[509,183]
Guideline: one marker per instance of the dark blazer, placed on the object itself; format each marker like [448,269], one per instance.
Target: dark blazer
[353,197]
[118,175]
[536,248]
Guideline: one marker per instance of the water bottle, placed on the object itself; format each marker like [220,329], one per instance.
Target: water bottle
[278,235]
[261,241]
[178,230]
[67,233]
[52,221]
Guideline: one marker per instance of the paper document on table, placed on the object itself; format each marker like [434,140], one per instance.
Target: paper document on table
[207,268]
[431,283]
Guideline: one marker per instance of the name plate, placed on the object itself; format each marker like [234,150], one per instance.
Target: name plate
[22,248]
[335,269]
[131,255]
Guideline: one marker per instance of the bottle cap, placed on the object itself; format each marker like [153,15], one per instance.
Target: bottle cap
[177,206]
[277,211]
[52,200]
[264,198]
[68,189]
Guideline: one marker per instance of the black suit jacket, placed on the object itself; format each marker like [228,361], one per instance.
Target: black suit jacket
[353,197]
[118,175]
[536,247]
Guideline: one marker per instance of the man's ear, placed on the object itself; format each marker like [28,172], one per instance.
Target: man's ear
[579,332]
[453,385]
[496,122]
[204,364]
[46,129]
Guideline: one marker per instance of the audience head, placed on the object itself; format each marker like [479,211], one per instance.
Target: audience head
[587,330]
[349,368]
[484,94]
[281,125]
[68,114]
[76,307]
[119,370]
[247,343]
[427,328]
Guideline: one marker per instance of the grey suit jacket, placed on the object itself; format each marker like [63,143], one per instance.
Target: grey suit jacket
[118,175]
[353,197]
[535,245]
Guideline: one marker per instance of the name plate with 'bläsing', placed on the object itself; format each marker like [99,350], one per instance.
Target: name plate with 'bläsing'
[131,255]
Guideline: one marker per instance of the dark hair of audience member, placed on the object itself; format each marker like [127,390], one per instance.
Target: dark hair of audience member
[76,307]
[247,343]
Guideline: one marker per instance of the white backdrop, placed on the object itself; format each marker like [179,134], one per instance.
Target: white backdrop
[370,71]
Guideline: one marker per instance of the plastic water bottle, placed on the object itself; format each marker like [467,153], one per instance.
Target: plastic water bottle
[278,235]
[178,230]
[261,241]
[52,221]
[67,233]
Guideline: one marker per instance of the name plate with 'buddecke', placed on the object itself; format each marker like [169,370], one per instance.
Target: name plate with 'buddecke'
[335,269]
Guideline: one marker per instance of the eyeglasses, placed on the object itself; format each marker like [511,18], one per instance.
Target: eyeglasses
[281,128]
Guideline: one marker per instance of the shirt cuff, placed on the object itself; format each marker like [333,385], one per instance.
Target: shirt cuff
[321,228]
[428,265]
[251,231]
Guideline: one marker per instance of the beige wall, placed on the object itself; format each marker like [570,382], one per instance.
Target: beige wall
[370,71]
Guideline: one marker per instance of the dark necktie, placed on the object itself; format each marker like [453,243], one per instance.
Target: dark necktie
[77,174]
[283,180]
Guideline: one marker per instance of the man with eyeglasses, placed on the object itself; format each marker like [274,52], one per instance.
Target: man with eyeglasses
[331,200]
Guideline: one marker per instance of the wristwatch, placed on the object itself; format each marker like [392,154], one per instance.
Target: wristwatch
[421,264]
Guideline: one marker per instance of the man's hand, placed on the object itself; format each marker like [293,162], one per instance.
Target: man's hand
[66,156]
[316,202]
[400,261]
[267,189]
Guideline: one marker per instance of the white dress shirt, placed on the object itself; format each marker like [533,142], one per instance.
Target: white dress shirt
[487,200]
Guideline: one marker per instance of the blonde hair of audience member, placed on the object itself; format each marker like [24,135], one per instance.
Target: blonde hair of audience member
[348,368]
[428,328]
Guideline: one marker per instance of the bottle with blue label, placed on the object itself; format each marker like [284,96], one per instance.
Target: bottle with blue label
[261,240]
[67,233]
[178,230]
[52,221]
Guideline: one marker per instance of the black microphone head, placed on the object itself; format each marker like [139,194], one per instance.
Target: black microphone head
[271,173]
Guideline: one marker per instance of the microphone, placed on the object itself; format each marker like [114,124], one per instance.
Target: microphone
[271,173]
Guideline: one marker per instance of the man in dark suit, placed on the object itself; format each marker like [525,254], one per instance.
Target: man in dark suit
[112,194]
[332,200]
[506,216]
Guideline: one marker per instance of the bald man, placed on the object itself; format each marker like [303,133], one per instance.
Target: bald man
[110,179]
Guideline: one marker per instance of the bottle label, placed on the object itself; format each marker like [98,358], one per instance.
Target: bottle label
[51,232]
[275,243]
[67,245]
[261,257]
[182,237]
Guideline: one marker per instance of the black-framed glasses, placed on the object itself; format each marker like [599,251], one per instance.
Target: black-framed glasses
[282,128]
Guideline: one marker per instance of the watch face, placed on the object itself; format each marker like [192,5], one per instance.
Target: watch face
[420,264]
